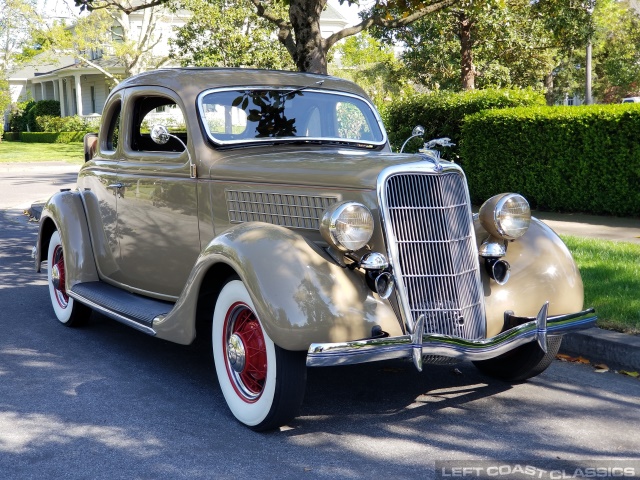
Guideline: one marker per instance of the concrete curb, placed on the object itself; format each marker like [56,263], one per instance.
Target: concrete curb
[35,211]
[613,348]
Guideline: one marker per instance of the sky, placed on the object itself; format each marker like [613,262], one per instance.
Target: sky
[66,8]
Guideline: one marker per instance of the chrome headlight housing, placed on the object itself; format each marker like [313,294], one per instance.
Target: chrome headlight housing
[506,216]
[348,226]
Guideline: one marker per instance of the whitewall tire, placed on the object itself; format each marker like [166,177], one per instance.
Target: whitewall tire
[68,312]
[262,384]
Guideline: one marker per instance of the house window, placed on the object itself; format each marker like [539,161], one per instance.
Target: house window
[93,99]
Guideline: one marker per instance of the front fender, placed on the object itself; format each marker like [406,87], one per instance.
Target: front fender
[300,295]
[542,269]
[64,212]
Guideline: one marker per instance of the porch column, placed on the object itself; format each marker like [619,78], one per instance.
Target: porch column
[43,91]
[63,113]
[78,94]
[69,95]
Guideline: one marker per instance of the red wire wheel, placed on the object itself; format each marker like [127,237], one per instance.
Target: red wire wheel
[58,277]
[245,352]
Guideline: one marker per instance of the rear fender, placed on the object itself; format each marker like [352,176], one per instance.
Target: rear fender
[64,212]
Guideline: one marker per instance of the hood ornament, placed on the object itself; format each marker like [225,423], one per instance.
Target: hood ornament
[431,154]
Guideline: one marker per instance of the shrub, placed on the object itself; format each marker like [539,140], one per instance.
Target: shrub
[11,136]
[442,113]
[50,123]
[18,116]
[52,137]
[574,159]
[43,107]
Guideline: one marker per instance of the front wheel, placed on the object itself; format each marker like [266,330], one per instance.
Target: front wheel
[521,363]
[68,312]
[262,383]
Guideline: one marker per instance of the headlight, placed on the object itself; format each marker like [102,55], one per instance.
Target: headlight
[348,226]
[506,216]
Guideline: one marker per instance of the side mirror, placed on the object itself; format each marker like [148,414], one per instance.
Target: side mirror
[418,131]
[160,134]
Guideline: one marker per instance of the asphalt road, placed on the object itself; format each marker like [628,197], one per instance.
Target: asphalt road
[106,401]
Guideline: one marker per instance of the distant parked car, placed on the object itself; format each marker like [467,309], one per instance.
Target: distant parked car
[631,100]
[272,218]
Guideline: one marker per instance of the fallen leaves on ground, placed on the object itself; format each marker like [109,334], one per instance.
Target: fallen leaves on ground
[568,358]
[597,367]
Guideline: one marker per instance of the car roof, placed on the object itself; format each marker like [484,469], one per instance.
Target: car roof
[191,80]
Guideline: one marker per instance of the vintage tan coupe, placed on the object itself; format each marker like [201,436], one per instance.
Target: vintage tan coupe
[265,211]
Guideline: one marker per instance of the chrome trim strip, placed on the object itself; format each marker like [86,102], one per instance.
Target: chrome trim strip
[111,314]
[361,351]
[251,141]
[392,244]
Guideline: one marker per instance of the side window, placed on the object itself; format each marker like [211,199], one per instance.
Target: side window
[113,128]
[351,122]
[149,111]
[225,119]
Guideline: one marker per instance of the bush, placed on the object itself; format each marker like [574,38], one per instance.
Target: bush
[52,137]
[572,159]
[43,107]
[50,123]
[11,136]
[442,113]
[18,116]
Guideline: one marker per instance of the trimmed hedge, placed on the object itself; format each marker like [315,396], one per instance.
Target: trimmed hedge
[442,113]
[572,159]
[52,137]
[11,136]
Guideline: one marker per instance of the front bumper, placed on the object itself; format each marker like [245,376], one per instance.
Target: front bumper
[419,344]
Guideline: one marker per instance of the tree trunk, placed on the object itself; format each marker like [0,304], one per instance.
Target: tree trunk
[548,88]
[466,54]
[310,50]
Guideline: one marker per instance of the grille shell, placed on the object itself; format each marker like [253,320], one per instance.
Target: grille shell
[432,248]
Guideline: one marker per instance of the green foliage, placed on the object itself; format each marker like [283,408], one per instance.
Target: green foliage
[442,113]
[18,116]
[11,136]
[573,159]
[228,34]
[52,137]
[42,107]
[373,66]
[50,123]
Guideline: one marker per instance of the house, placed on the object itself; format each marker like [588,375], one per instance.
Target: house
[82,89]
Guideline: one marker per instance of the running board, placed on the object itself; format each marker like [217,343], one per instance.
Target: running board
[133,310]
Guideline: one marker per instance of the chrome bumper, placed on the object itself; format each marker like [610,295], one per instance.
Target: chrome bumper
[418,344]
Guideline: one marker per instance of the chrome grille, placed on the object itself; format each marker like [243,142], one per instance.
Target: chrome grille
[434,253]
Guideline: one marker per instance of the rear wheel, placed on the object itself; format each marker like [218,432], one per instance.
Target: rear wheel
[68,311]
[262,383]
[521,363]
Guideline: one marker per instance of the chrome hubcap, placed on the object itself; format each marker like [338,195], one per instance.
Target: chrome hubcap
[55,277]
[236,353]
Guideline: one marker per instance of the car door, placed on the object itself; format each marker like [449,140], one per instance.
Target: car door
[98,185]
[157,221]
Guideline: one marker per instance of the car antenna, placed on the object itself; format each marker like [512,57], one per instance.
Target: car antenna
[296,90]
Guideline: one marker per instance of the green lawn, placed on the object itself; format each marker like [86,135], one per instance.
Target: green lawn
[611,276]
[41,152]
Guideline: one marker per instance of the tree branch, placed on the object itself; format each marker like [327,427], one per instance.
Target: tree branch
[379,20]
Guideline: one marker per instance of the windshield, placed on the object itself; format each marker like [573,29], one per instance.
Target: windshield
[265,115]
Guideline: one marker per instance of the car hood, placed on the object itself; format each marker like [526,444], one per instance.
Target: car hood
[326,168]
